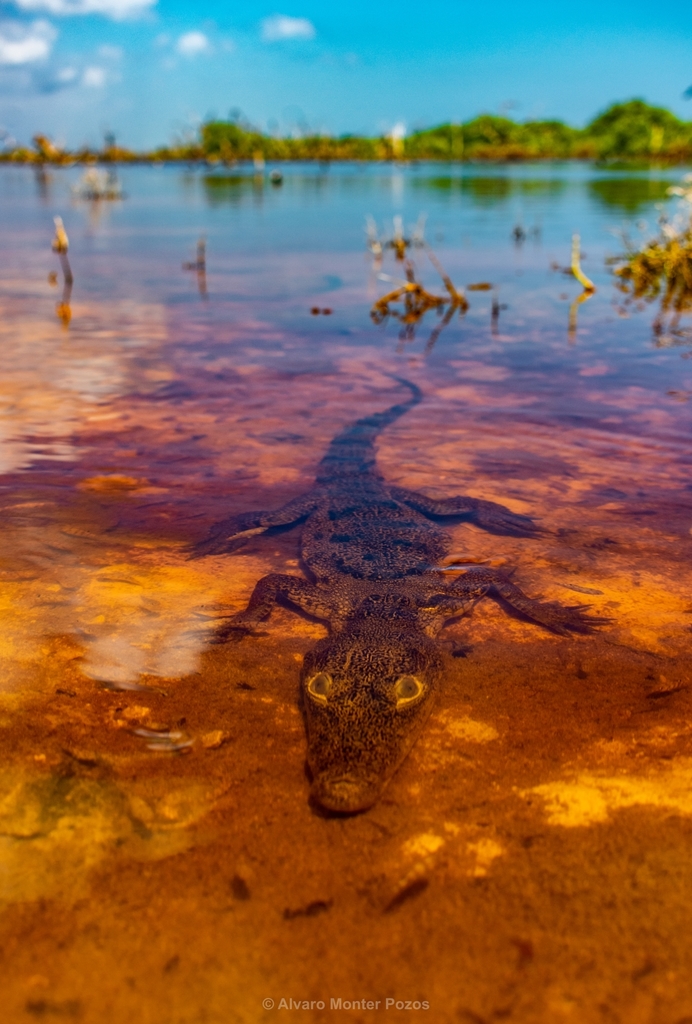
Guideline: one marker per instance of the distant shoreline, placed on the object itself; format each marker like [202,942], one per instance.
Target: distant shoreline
[246,168]
[631,133]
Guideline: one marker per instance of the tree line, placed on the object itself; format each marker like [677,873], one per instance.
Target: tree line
[630,131]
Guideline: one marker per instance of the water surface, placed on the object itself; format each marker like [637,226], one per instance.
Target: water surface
[160,861]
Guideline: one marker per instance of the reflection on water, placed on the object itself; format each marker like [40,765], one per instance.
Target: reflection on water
[232,188]
[630,194]
[159,858]
[200,267]
[486,190]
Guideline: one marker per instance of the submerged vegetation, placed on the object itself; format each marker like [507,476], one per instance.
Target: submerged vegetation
[631,131]
[662,269]
[411,294]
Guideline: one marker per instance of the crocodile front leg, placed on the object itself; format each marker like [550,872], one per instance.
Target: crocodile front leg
[475,584]
[231,533]
[487,514]
[276,588]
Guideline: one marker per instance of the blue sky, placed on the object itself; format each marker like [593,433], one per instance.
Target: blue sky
[149,70]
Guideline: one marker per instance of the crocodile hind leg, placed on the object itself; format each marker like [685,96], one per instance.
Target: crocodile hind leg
[231,533]
[477,583]
[487,514]
[276,588]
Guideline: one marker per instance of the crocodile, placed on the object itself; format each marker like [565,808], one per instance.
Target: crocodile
[372,555]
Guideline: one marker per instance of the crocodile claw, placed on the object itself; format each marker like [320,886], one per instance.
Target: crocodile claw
[566,619]
[233,633]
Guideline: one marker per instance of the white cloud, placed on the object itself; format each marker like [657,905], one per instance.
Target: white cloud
[66,75]
[110,52]
[116,9]
[22,44]
[94,78]
[192,43]
[281,26]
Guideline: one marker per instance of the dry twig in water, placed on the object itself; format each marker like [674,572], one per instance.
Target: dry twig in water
[61,244]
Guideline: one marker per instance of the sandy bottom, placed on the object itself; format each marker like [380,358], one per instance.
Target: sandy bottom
[159,860]
[529,862]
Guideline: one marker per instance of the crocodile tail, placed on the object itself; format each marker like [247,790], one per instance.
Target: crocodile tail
[352,452]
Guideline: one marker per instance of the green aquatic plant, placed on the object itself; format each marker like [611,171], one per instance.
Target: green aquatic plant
[661,269]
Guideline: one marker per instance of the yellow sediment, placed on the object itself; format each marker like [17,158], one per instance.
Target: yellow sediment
[590,798]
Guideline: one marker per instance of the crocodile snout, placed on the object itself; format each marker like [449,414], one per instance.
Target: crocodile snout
[347,794]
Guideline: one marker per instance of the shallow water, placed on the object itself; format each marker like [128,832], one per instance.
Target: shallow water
[160,860]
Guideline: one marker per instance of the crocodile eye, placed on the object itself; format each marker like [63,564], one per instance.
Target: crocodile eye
[407,689]
[319,686]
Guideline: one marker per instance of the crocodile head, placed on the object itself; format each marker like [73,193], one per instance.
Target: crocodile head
[367,694]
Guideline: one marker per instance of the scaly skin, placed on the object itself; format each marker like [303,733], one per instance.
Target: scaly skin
[371,552]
